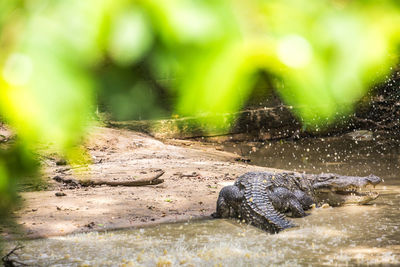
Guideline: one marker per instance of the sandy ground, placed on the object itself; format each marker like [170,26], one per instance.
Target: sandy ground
[194,174]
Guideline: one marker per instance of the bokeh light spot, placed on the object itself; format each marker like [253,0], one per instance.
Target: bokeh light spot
[294,51]
[18,69]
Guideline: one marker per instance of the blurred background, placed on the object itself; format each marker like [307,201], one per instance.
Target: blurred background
[64,62]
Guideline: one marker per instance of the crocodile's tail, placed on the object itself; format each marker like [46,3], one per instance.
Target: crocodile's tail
[258,210]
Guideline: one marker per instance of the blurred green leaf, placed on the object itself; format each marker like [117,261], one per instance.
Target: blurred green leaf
[130,38]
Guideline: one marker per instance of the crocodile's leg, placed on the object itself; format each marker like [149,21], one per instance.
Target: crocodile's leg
[296,208]
[228,202]
[305,200]
[284,200]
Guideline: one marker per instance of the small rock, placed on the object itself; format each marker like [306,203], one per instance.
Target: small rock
[60,162]
[245,160]
[89,225]
[60,194]
[58,179]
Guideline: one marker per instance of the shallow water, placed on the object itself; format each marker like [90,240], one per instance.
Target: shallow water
[351,235]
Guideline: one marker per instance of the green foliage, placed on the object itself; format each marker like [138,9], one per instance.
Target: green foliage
[202,57]
[334,52]
[15,162]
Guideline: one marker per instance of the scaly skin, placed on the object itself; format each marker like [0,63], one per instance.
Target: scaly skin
[261,198]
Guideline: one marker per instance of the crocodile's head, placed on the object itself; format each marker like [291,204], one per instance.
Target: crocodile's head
[339,190]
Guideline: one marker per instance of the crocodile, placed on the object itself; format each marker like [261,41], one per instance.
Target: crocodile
[263,198]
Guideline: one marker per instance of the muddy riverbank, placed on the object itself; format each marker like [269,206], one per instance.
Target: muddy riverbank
[193,175]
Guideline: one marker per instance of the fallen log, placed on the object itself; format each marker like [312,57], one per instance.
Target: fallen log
[152,180]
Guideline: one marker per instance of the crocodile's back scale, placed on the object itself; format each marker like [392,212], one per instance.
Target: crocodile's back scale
[257,207]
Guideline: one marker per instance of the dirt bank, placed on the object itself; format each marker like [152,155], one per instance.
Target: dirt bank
[194,174]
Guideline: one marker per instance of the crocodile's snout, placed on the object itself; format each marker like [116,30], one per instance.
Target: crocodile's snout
[373,179]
